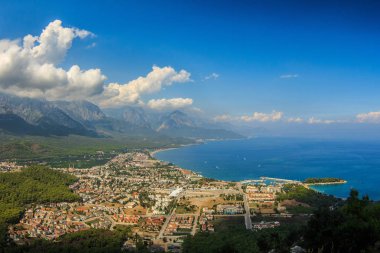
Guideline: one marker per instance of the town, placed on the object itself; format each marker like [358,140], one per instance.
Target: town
[161,202]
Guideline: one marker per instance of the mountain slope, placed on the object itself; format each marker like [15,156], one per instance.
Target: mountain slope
[175,120]
[136,116]
[179,124]
[34,116]
[82,111]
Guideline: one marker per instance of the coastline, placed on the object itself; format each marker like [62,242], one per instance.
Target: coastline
[307,186]
[152,153]
[197,142]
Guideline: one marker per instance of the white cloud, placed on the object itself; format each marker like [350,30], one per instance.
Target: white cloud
[295,120]
[262,117]
[121,94]
[256,116]
[213,76]
[31,69]
[313,120]
[54,41]
[223,118]
[287,76]
[370,117]
[194,110]
[169,104]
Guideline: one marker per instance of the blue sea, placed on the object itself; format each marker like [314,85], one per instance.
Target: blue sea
[358,162]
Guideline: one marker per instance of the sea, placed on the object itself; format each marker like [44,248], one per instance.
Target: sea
[358,162]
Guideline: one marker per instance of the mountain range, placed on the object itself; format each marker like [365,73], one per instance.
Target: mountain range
[19,115]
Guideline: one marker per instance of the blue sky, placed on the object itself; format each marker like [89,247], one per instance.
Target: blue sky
[306,59]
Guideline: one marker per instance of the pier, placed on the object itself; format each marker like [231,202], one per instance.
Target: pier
[262,179]
[281,180]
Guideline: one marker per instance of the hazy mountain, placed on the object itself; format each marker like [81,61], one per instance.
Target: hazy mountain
[136,116]
[82,111]
[42,117]
[128,120]
[37,116]
[174,120]
[179,124]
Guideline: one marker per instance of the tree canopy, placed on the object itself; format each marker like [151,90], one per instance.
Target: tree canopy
[35,184]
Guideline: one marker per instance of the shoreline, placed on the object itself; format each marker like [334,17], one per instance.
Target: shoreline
[327,183]
[197,142]
[152,153]
[307,186]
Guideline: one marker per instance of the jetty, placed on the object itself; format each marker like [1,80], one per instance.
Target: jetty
[263,179]
[281,180]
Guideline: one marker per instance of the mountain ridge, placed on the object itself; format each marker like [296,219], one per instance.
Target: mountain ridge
[20,115]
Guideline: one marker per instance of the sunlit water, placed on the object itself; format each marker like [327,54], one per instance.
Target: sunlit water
[355,161]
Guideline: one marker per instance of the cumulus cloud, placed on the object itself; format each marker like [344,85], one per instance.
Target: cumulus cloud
[287,76]
[30,67]
[130,93]
[313,120]
[295,120]
[263,117]
[370,117]
[213,76]
[54,41]
[169,104]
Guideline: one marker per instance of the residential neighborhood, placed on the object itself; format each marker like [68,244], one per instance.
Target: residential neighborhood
[161,202]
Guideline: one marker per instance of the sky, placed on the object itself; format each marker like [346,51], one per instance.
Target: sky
[247,62]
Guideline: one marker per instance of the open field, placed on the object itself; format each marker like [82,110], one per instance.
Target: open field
[229,222]
[206,201]
[137,210]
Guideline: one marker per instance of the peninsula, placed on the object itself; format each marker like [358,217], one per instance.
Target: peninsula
[324,181]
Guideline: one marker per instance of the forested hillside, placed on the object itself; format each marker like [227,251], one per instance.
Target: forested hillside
[35,184]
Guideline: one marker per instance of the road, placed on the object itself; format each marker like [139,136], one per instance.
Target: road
[169,217]
[194,230]
[163,228]
[247,216]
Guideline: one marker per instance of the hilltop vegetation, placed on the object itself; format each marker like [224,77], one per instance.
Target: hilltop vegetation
[354,227]
[307,196]
[242,241]
[35,184]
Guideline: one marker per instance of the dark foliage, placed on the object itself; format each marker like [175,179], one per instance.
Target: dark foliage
[35,184]
[355,227]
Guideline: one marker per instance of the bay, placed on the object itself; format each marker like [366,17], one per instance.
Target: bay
[358,162]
